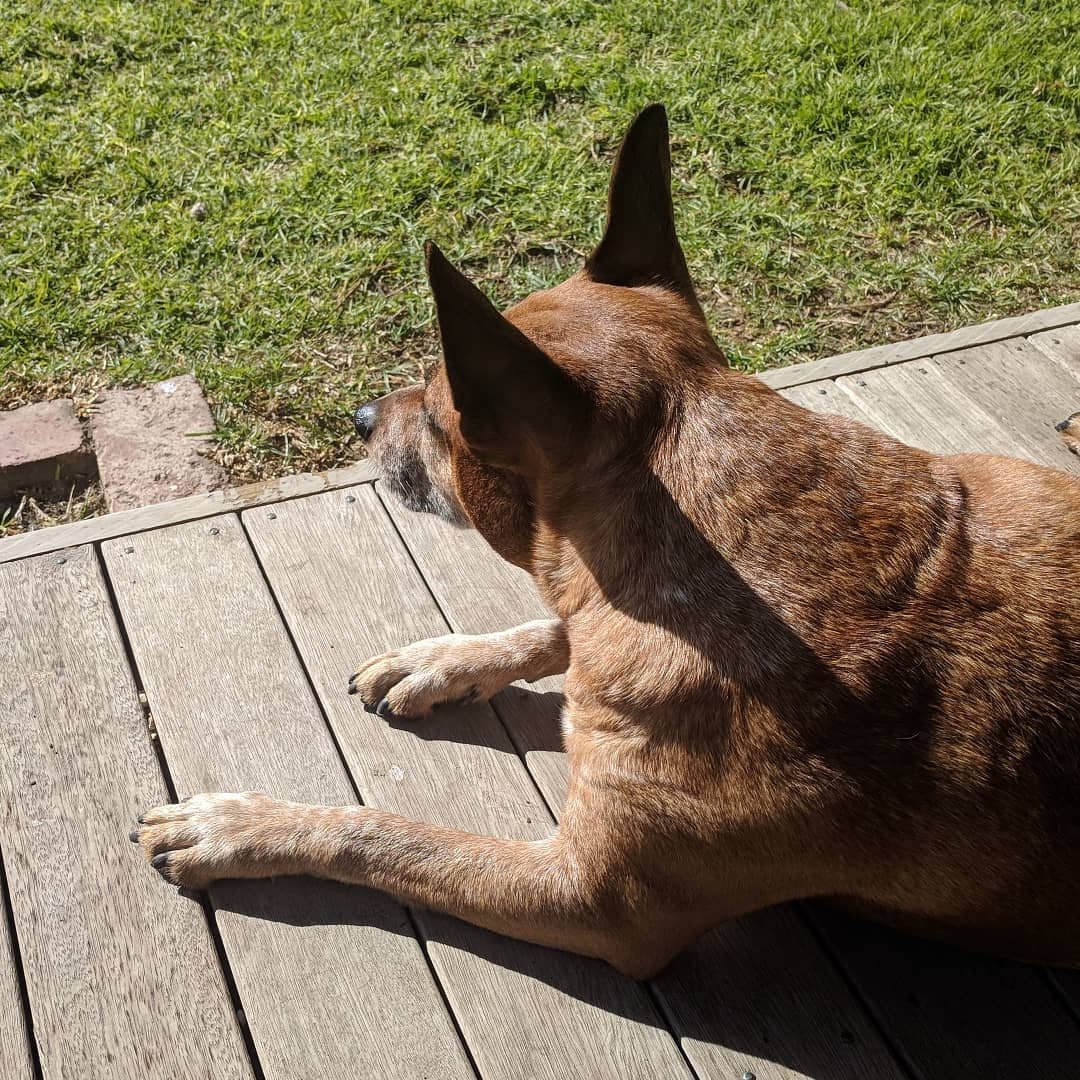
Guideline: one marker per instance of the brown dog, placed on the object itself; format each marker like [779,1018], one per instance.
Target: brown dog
[802,658]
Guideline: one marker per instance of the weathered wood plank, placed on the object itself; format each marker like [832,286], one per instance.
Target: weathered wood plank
[828,397]
[191,508]
[955,1013]
[332,979]
[348,590]
[830,367]
[756,995]
[1062,346]
[920,405]
[1023,390]
[16,1059]
[122,978]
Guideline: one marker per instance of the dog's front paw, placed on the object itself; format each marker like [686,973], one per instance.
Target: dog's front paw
[212,836]
[408,683]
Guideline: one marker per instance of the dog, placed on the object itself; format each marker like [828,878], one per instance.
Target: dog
[802,659]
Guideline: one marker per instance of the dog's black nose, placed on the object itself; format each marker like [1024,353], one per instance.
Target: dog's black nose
[364,419]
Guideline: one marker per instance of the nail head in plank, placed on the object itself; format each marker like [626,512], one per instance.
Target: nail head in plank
[918,404]
[191,508]
[348,591]
[831,367]
[762,970]
[16,1060]
[954,1013]
[1023,390]
[332,978]
[122,976]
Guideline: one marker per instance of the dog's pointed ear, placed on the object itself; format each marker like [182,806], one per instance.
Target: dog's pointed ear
[516,405]
[639,245]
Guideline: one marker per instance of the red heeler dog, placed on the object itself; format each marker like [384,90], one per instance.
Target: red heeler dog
[802,659]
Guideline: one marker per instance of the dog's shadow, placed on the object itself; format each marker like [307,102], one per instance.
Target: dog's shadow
[815,993]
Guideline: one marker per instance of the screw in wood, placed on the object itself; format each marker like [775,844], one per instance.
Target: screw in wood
[272,516]
[129,551]
[214,531]
[350,498]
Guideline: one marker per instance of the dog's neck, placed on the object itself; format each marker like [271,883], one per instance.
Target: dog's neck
[731,546]
[664,520]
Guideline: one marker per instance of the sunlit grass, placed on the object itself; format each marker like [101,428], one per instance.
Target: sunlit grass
[845,174]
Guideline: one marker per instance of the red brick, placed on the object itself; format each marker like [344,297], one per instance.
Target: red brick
[151,442]
[42,446]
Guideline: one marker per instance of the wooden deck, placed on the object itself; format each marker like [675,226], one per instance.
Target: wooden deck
[206,644]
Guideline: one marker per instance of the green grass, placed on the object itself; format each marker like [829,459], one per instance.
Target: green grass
[845,174]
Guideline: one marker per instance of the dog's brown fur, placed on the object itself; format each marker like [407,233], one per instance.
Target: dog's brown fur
[802,658]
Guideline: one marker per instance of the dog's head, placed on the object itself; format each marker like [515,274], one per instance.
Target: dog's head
[527,406]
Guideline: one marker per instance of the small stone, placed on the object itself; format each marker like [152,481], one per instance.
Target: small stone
[148,443]
[42,445]
[198,211]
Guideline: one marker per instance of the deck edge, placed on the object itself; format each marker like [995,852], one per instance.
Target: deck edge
[194,507]
[830,367]
[178,511]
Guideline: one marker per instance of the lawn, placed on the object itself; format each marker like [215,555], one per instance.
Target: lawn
[242,190]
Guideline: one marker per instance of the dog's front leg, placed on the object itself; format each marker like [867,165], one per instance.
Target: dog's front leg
[534,890]
[407,683]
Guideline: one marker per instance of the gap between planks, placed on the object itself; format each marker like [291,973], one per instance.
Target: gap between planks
[101,946]
[332,978]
